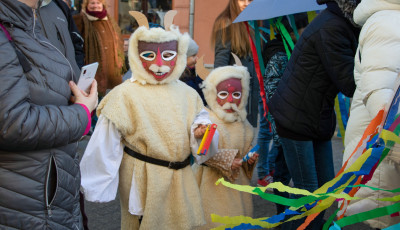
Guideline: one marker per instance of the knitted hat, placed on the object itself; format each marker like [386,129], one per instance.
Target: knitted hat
[193,48]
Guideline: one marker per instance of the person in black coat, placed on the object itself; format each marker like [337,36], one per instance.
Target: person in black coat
[321,65]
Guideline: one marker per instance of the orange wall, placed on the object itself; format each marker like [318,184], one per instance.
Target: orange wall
[205,12]
[182,18]
[111,9]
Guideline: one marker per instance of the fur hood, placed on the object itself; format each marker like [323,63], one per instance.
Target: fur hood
[157,35]
[220,74]
[346,6]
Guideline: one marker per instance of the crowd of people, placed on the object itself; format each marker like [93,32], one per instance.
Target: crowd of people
[146,122]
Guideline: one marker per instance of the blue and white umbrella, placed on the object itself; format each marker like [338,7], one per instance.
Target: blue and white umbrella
[267,9]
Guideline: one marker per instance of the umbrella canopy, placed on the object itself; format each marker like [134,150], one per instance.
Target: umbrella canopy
[266,9]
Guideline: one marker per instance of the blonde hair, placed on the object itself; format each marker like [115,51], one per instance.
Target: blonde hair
[236,33]
[85,3]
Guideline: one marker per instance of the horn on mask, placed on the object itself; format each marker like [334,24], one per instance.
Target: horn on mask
[140,18]
[169,18]
[237,60]
[201,70]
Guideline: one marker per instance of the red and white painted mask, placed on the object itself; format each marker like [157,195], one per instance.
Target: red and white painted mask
[158,59]
[229,91]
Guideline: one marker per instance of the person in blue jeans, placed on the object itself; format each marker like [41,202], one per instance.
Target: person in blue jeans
[321,66]
[267,152]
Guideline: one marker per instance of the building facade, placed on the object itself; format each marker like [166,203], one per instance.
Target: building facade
[194,16]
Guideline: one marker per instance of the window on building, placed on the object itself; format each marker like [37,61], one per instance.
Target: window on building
[154,9]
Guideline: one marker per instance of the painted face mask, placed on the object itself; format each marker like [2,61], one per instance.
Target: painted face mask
[158,59]
[229,94]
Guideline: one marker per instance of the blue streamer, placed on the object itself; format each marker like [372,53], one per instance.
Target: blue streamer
[393,227]
[365,168]
[335,227]
[281,216]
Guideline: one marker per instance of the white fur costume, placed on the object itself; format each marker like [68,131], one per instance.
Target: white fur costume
[156,119]
[235,138]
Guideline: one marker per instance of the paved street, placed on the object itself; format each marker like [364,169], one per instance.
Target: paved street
[106,216]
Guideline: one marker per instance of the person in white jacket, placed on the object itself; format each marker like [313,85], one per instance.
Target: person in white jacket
[377,67]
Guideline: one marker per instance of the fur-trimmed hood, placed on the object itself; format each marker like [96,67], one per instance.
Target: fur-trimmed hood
[346,6]
[223,73]
[157,35]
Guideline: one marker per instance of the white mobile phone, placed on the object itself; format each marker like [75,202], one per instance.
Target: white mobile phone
[88,73]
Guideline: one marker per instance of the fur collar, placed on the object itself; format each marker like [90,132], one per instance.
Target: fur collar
[346,7]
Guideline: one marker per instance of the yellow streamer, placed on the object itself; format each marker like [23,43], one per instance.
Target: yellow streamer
[322,205]
[272,32]
[237,220]
[387,135]
[311,15]
[339,119]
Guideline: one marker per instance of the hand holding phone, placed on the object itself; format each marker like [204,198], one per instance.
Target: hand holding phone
[88,73]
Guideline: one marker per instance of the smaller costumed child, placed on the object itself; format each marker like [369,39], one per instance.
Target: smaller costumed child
[226,90]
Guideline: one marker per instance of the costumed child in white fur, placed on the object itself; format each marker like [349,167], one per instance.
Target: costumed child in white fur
[226,90]
[146,130]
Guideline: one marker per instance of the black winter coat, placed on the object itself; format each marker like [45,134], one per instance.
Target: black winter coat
[39,163]
[321,65]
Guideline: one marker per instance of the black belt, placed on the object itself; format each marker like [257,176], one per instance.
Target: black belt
[169,164]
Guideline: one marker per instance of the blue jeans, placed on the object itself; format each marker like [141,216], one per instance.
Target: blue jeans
[268,151]
[281,175]
[310,164]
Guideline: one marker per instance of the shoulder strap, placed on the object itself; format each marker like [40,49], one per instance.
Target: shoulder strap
[26,66]
[6,32]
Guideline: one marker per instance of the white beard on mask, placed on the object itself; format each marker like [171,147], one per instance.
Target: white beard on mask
[237,115]
[159,70]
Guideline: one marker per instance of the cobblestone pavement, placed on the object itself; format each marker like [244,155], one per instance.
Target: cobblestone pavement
[106,216]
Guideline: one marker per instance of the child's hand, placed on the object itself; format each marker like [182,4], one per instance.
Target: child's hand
[252,159]
[199,131]
[237,162]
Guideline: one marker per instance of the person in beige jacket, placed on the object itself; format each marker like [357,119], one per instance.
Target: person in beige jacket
[147,128]
[226,90]
[377,67]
